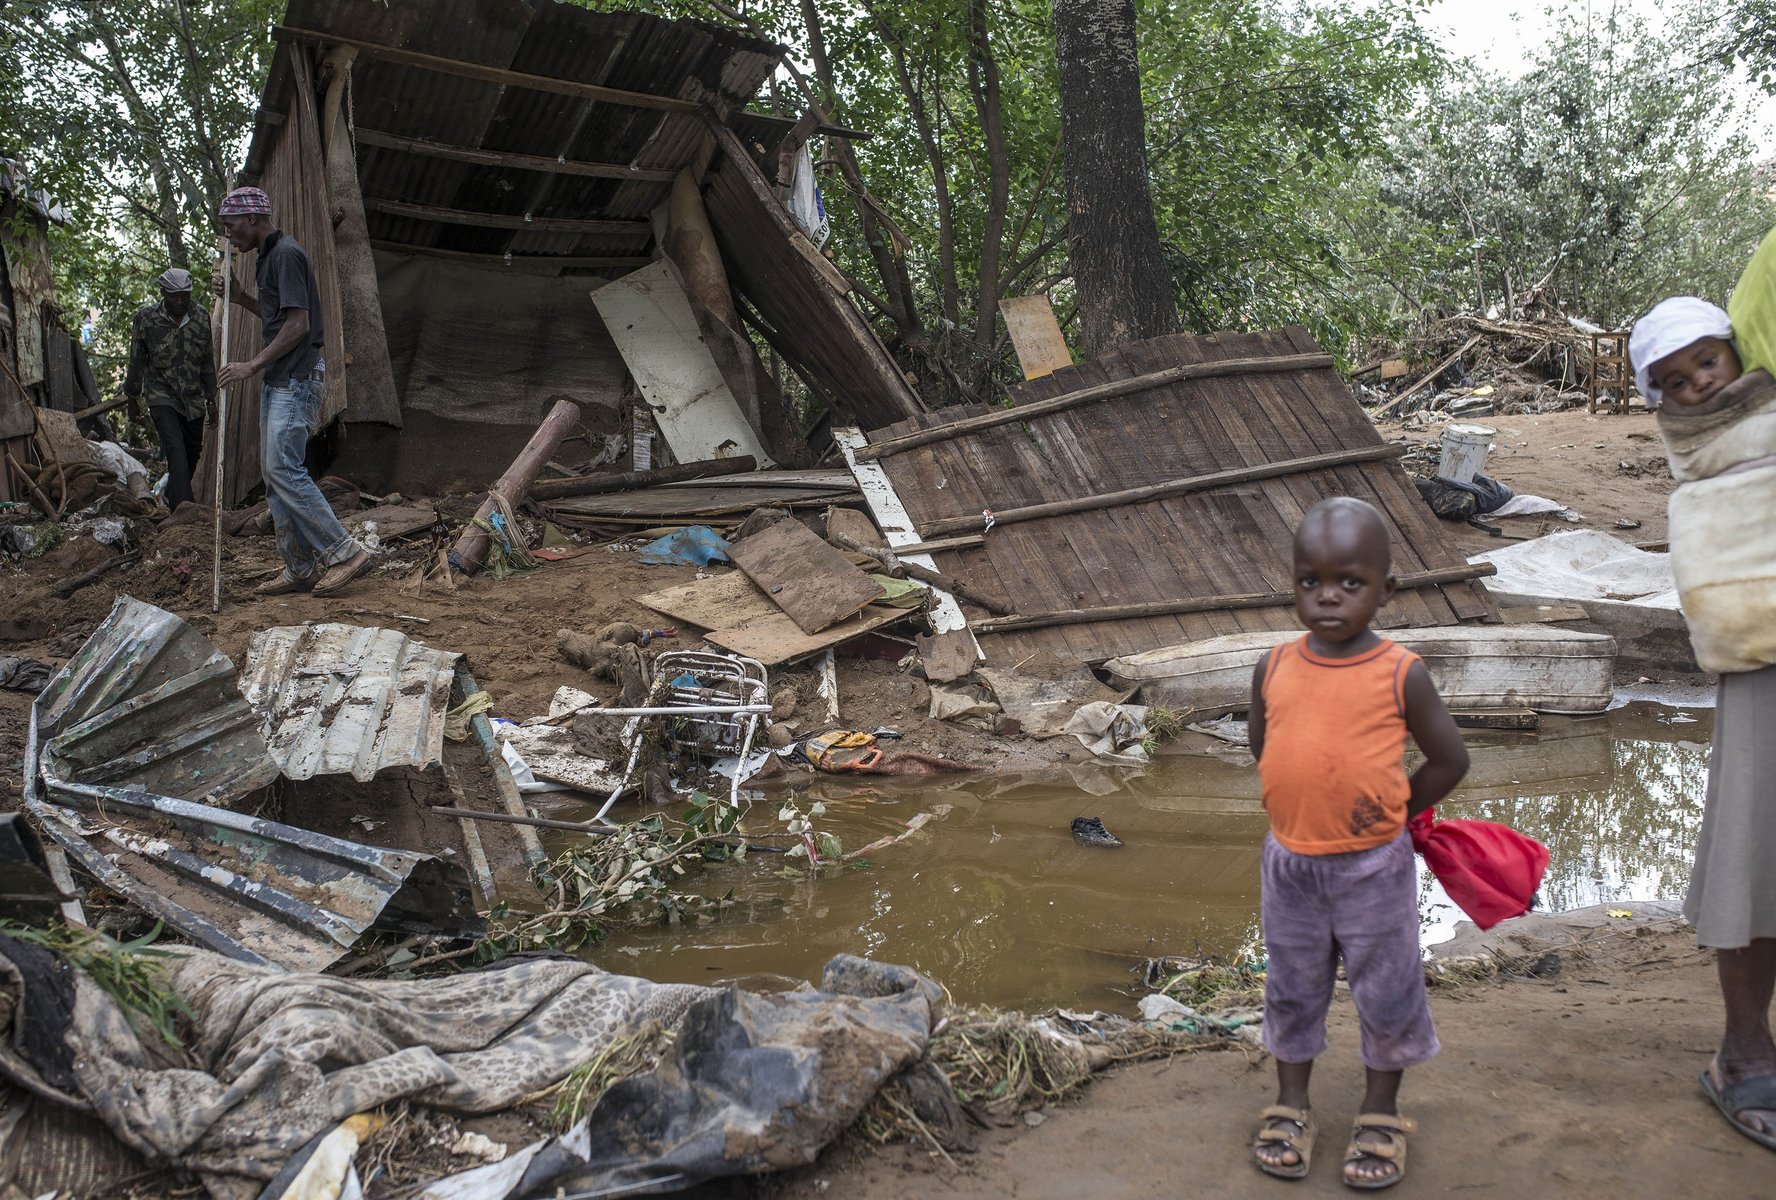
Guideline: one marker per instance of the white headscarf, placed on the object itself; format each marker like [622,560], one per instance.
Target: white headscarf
[1669,327]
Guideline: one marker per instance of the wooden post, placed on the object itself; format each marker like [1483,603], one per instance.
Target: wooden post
[514,485]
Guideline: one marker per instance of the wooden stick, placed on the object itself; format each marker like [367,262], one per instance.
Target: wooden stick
[506,158]
[949,583]
[97,410]
[1393,407]
[487,74]
[623,481]
[68,587]
[49,510]
[487,220]
[472,814]
[1169,608]
[965,542]
[1091,395]
[471,547]
[222,426]
[1166,491]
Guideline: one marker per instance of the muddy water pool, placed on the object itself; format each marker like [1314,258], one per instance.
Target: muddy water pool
[995,899]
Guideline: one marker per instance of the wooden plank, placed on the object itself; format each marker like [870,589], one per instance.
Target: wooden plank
[1093,395]
[1207,603]
[810,580]
[625,481]
[774,264]
[891,516]
[1520,719]
[743,619]
[487,74]
[1166,491]
[487,220]
[506,158]
[1035,335]
[966,542]
[1526,613]
[518,262]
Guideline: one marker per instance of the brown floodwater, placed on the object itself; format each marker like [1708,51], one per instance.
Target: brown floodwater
[996,900]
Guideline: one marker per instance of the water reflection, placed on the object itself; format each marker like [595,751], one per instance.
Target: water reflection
[996,900]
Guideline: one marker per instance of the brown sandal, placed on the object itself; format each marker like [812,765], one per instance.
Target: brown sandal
[1394,1128]
[1301,1140]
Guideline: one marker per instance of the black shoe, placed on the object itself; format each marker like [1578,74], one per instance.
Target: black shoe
[1090,831]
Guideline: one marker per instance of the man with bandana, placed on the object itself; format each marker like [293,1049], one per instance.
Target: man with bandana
[172,366]
[319,555]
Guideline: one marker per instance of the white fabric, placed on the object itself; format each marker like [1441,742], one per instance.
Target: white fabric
[1584,564]
[1724,557]
[1669,327]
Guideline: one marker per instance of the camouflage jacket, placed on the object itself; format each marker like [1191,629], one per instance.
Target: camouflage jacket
[170,363]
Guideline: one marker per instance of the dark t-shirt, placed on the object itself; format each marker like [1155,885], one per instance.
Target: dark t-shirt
[287,280]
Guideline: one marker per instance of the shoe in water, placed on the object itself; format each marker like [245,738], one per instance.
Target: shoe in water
[1090,831]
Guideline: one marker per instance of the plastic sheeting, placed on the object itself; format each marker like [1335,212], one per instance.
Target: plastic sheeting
[754,1082]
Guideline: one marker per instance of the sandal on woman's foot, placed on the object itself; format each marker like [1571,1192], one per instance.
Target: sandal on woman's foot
[1285,1128]
[1392,1150]
[1753,1095]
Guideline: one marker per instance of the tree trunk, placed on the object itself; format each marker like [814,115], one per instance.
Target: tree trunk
[1125,291]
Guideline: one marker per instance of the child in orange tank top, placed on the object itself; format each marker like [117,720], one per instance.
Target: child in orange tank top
[1329,718]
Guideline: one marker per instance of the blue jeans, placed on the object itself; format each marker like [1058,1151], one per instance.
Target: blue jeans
[309,537]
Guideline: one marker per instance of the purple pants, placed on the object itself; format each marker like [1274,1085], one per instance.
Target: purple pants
[1363,906]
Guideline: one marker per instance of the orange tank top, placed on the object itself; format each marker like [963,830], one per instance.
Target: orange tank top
[1333,772]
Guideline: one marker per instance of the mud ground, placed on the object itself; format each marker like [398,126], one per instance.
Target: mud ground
[1579,1085]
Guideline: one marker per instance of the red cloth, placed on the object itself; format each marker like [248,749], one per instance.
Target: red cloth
[1490,870]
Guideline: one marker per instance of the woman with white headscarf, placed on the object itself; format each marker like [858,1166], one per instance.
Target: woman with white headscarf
[1707,372]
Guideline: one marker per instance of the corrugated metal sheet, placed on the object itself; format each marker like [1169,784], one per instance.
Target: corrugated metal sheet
[348,700]
[133,748]
[635,52]
[1226,541]
[149,702]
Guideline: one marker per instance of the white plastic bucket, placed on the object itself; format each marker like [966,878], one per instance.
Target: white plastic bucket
[1464,451]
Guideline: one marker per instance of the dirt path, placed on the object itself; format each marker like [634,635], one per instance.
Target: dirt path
[1580,1085]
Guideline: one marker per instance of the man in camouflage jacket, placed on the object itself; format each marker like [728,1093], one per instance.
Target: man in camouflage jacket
[172,365]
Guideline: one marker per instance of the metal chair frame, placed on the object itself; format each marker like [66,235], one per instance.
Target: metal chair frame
[722,711]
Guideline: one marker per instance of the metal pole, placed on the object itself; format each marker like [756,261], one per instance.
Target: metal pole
[222,424]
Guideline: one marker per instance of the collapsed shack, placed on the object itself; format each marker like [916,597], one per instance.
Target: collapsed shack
[43,368]
[1150,498]
[510,208]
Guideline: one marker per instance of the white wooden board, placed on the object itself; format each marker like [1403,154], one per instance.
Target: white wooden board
[651,321]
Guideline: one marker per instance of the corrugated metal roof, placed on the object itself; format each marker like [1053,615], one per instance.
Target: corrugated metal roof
[681,59]
[348,700]
[142,724]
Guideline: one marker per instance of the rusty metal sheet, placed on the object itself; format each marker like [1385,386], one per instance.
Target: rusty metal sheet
[133,748]
[348,700]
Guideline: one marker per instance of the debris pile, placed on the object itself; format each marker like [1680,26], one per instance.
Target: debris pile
[1470,365]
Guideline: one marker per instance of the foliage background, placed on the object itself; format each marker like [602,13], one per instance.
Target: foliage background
[1320,163]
